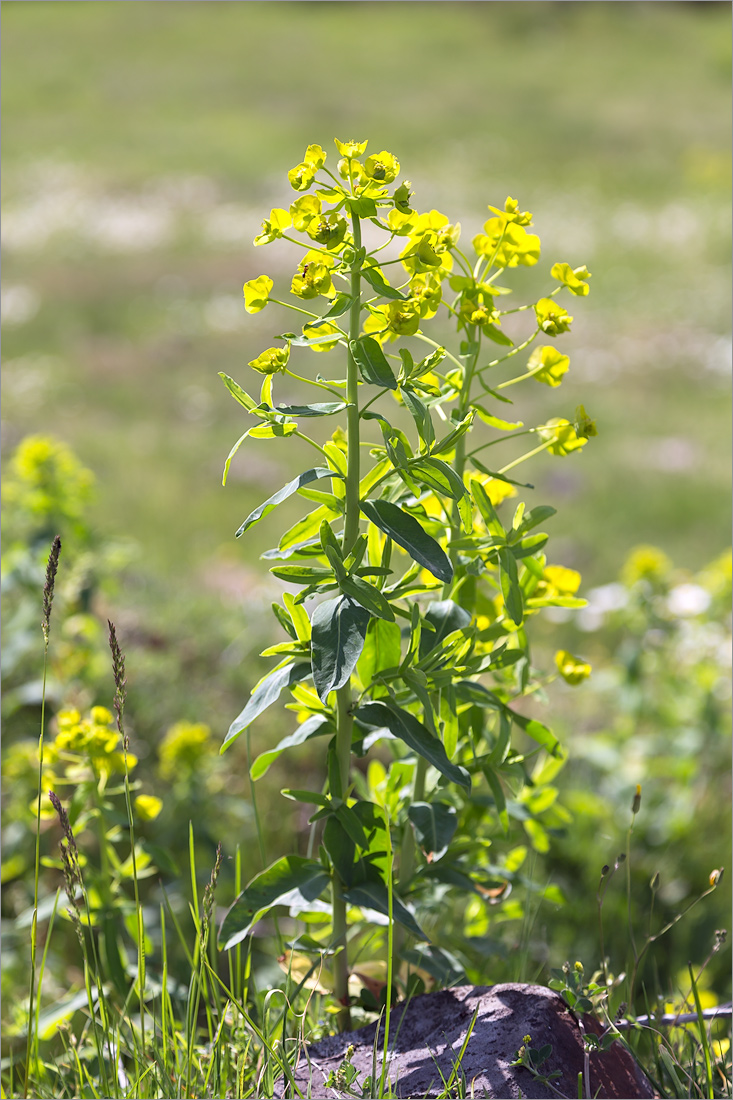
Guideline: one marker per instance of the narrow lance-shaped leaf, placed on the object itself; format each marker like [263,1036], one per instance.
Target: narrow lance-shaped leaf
[404,725]
[315,726]
[316,474]
[510,586]
[237,392]
[375,280]
[320,408]
[373,895]
[382,650]
[292,881]
[372,363]
[434,824]
[338,630]
[368,596]
[410,535]
[264,694]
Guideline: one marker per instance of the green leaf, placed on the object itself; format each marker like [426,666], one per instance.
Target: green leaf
[446,616]
[338,630]
[470,692]
[420,414]
[372,363]
[487,510]
[408,533]
[303,574]
[404,725]
[375,280]
[496,421]
[434,824]
[534,518]
[373,895]
[430,362]
[266,692]
[499,477]
[340,847]
[305,478]
[315,726]
[237,392]
[305,528]
[448,442]
[231,455]
[273,431]
[498,336]
[320,408]
[498,792]
[539,733]
[381,650]
[292,881]
[315,798]
[368,596]
[340,305]
[510,585]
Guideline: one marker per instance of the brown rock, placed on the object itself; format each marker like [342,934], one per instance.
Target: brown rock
[426,1036]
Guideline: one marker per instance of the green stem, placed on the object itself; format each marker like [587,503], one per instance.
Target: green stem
[344,720]
[34,923]
[459,463]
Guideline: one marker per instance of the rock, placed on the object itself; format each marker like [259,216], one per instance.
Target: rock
[426,1037]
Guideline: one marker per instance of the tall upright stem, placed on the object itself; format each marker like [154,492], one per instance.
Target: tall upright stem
[344,720]
[459,464]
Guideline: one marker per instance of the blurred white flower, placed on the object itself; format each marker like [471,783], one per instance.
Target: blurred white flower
[608,597]
[688,599]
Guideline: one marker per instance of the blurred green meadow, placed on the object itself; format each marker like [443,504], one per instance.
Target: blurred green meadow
[142,146]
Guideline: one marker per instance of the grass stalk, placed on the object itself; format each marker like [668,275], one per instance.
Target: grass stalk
[48,594]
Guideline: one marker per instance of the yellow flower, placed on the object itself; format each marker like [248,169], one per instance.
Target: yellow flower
[548,365]
[148,806]
[322,328]
[562,581]
[383,167]
[183,747]
[512,213]
[271,361]
[303,210]
[563,436]
[257,293]
[315,157]
[350,148]
[302,176]
[572,669]
[645,563]
[572,278]
[551,317]
[273,227]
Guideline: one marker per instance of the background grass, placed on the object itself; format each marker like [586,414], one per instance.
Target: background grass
[144,143]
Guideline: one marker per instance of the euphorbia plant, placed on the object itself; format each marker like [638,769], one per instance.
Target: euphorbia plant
[415,585]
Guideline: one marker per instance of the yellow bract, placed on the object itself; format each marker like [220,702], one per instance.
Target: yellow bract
[551,317]
[350,148]
[148,806]
[383,167]
[256,293]
[562,581]
[572,669]
[572,278]
[182,748]
[563,436]
[552,365]
[512,244]
[271,361]
[273,227]
[302,176]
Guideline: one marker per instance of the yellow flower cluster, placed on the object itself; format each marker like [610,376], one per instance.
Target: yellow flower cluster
[93,739]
